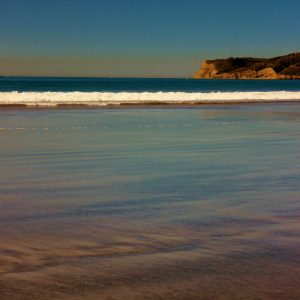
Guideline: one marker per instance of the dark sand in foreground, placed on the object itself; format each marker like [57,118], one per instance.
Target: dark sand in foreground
[207,261]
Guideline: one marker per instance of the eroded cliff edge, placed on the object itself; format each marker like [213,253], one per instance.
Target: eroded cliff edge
[281,67]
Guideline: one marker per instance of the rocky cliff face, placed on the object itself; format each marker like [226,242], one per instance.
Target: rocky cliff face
[282,67]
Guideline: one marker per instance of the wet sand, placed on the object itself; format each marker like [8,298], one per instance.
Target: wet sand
[191,204]
[234,259]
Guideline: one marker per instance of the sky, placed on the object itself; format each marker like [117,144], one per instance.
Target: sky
[140,38]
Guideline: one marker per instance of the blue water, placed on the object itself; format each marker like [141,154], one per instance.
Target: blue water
[60,84]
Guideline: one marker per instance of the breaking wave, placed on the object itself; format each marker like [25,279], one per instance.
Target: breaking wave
[120,98]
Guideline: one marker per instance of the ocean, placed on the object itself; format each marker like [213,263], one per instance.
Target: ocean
[120,91]
[148,201]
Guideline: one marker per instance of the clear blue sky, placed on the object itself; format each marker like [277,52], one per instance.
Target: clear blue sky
[140,37]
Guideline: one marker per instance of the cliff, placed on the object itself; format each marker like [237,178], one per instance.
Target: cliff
[281,67]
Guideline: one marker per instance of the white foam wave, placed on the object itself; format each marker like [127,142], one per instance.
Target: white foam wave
[118,98]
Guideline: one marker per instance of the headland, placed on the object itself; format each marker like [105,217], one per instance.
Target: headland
[282,67]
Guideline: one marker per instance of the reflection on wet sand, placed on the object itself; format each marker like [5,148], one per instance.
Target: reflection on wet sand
[205,211]
[225,259]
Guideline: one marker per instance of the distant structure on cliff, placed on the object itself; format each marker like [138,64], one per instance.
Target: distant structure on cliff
[281,67]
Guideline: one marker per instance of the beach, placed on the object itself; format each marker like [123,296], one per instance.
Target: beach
[198,202]
[149,150]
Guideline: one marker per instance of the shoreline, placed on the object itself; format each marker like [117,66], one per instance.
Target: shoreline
[144,105]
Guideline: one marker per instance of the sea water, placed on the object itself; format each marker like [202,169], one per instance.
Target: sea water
[107,91]
[198,202]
